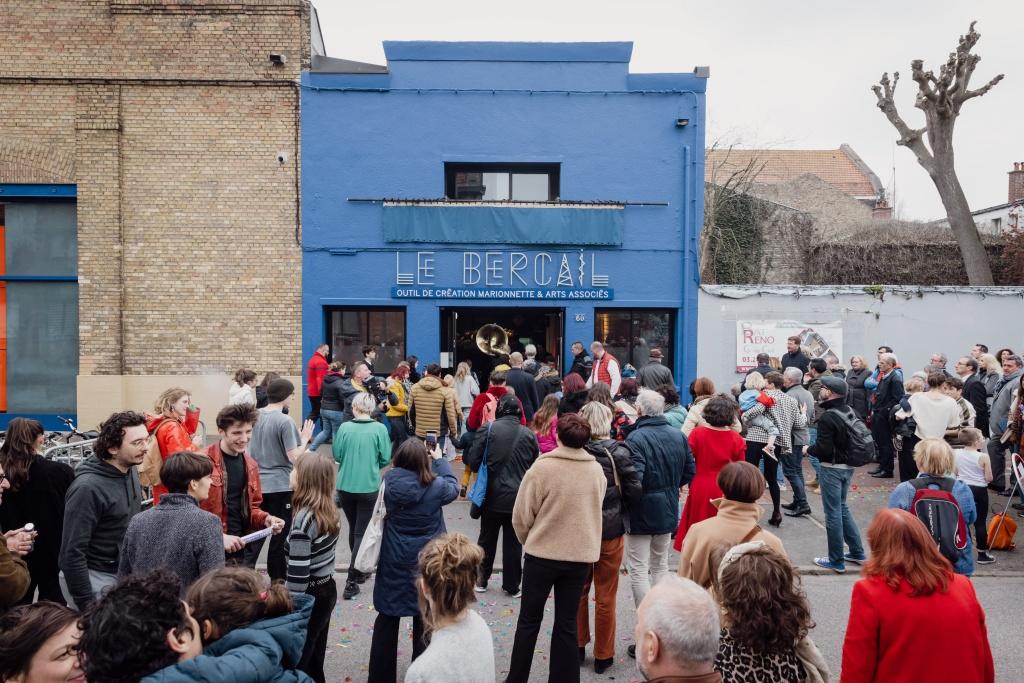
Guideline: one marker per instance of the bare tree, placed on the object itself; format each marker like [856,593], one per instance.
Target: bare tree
[940,98]
[725,252]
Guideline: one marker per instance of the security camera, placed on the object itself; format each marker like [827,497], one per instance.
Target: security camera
[282,157]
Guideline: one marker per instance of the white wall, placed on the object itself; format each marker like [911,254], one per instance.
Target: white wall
[915,322]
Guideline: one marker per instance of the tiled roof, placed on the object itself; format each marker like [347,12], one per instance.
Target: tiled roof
[841,167]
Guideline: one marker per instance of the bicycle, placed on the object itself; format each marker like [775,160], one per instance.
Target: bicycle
[71,436]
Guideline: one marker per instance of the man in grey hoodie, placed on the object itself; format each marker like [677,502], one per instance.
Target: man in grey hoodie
[100,502]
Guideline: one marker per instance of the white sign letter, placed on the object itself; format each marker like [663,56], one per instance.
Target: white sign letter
[539,276]
[517,263]
[470,268]
[494,269]
[424,267]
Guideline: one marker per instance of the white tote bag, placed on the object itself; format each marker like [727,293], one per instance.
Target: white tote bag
[369,548]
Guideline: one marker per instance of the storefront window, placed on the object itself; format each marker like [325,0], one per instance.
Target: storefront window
[630,334]
[38,307]
[350,329]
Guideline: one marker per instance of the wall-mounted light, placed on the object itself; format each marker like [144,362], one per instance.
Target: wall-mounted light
[681,123]
[278,60]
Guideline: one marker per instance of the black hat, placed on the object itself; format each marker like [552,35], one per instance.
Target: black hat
[834,384]
[279,390]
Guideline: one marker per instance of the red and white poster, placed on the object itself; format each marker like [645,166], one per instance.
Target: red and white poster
[818,340]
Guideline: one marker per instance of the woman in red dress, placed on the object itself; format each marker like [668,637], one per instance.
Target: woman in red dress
[713,447]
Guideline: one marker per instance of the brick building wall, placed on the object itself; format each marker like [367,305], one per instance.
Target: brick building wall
[169,116]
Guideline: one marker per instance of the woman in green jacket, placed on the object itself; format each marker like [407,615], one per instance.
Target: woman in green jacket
[361,448]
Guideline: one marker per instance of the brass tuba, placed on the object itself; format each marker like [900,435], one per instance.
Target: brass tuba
[492,339]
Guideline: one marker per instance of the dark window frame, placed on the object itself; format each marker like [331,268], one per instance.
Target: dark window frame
[553,171]
[329,330]
[667,350]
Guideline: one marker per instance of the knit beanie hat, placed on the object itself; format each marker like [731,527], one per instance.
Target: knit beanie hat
[279,390]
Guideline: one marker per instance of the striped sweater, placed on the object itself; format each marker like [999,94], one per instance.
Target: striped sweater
[310,554]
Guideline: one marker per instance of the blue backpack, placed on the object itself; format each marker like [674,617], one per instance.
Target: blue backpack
[478,492]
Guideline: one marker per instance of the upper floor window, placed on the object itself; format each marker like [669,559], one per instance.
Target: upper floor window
[501,182]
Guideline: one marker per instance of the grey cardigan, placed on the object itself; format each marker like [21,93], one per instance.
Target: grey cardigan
[177,535]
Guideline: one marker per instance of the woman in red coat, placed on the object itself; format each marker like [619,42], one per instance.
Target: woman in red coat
[173,426]
[911,617]
[714,447]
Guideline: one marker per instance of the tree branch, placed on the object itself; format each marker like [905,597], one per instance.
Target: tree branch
[982,90]
[909,137]
[924,80]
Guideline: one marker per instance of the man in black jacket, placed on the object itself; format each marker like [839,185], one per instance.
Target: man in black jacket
[510,450]
[831,449]
[886,397]
[974,391]
[523,384]
[582,365]
[794,357]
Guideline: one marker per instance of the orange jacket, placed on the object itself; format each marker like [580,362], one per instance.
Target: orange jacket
[252,499]
[172,435]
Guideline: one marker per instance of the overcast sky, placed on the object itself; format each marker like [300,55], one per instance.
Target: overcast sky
[793,74]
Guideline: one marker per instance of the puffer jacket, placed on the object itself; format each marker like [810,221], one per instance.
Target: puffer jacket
[512,450]
[172,435]
[265,651]
[629,488]
[414,517]
[427,400]
[663,462]
[676,415]
[331,397]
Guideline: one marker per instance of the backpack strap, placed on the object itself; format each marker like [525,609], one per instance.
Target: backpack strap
[944,483]
[750,534]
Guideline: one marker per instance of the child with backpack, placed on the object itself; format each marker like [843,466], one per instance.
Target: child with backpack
[235,609]
[945,505]
[974,468]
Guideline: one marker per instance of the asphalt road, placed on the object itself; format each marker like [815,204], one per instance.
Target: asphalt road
[999,587]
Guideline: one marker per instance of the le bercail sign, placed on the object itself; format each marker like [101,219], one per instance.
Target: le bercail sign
[499,275]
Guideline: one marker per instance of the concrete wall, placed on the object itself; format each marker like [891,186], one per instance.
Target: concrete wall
[101,395]
[915,322]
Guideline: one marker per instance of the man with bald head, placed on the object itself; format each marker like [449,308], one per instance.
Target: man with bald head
[677,631]
[523,384]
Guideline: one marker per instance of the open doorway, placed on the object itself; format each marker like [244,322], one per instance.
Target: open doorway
[542,327]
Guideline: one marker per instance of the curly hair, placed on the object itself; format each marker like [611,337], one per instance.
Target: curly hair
[763,605]
[24,630]
[237,413]
[112,431]
[124,634]
[448,570]
[720,411]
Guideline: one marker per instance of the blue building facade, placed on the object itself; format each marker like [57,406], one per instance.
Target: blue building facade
[529,192]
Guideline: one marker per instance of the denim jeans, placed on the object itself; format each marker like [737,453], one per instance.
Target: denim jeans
[839,524]
[812,433]
[331,420]
[791,466]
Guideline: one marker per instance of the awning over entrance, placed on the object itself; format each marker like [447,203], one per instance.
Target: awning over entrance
[537,224]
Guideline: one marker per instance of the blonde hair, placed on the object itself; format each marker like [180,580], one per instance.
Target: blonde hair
[863,362]
[600,419]
[462,371]
[755,380]
[314,491]
[448,380]
[934,457]
[165,402]
[914,385]
[989,362]
[448,571]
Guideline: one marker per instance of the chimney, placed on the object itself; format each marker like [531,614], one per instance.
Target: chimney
[882,211]
[1016,192]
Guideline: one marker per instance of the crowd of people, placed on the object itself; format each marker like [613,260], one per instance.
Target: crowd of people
[603,468]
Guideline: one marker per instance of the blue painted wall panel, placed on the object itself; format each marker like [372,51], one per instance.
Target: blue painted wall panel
[613,134]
